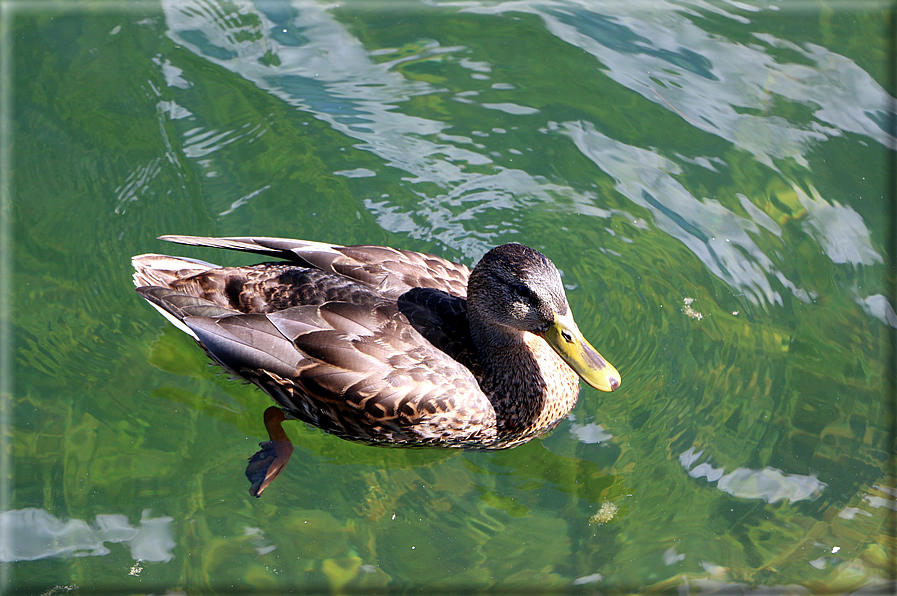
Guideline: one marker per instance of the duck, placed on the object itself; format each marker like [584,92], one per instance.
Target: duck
[380,345]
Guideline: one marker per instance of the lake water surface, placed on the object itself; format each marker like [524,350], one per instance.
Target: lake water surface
[712,178]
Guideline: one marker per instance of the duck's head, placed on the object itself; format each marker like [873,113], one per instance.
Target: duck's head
[517,287]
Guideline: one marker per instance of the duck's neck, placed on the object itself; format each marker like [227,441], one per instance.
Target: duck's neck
[518,368]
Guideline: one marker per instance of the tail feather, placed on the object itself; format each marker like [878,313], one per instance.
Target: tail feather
[153,277]
[284,248]
[162,270]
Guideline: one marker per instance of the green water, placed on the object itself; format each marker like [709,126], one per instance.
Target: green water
[711,178]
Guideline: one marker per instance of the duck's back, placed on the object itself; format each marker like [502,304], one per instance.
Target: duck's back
[389,271]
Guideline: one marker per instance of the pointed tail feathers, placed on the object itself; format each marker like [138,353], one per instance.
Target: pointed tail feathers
[153,276]
[161,270]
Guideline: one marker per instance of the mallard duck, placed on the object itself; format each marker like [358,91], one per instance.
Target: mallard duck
[381,345]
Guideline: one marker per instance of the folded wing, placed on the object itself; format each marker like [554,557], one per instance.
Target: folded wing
[357,370]
[390,271]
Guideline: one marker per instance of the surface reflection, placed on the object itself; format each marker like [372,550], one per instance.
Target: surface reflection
[768,484]
[716,83]
[29,534]
[716,235]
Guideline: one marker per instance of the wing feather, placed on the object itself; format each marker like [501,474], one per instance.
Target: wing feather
[246,342]
[389,373]
[390,271]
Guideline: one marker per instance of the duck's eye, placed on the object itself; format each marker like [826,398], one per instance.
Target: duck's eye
[523,291]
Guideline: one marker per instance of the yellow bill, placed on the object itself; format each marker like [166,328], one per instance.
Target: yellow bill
[567,340]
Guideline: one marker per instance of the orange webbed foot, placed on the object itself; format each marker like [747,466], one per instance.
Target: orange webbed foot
[273,456]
